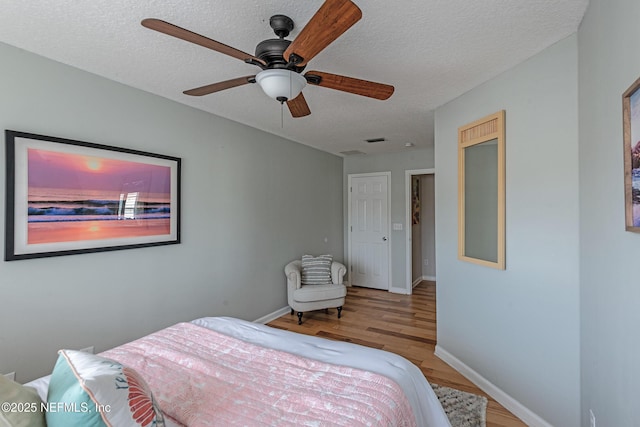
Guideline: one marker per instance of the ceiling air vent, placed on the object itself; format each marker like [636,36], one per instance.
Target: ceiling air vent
[372,140]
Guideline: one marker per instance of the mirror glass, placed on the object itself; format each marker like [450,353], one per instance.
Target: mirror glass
[481,201]
[481,192]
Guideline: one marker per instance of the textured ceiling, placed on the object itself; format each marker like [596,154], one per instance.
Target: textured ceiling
[432,51]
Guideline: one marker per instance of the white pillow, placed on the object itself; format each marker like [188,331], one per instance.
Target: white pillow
[88,390]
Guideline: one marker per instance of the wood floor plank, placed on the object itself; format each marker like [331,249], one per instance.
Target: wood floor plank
[401,335]
[340,337]
[402,324]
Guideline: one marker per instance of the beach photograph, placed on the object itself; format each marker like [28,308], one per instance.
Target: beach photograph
[73,197]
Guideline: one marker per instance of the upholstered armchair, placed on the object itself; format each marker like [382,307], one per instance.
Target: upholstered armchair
[308,297]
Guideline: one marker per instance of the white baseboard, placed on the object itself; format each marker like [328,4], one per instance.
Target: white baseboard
[421,278]
[396,290]
[517,408]
[273,316]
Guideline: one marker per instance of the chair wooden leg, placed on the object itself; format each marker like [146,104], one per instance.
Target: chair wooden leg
[339,311]
[292,311]
[326,310]
[299,318]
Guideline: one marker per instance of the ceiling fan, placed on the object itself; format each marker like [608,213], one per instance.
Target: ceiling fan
[282,61]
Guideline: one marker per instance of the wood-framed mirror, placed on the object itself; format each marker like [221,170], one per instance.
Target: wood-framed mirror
[481,191]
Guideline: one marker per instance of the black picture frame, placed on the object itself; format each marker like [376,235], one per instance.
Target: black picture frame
[67,197]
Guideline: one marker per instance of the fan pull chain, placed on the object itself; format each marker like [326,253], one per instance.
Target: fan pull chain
[282,104]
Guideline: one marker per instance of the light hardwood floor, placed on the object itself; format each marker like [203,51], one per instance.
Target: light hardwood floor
[402,324]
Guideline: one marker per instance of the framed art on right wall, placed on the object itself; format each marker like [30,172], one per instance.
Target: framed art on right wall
[631,131]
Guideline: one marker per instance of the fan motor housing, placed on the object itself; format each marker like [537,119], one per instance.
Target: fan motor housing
[271,50]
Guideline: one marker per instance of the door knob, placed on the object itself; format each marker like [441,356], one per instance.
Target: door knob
[384,239]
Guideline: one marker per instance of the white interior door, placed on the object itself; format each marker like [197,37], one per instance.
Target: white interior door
[369,230]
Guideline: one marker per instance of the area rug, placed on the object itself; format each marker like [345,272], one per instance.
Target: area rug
[463,409]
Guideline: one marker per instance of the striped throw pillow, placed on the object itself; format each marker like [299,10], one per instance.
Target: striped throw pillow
[316,270]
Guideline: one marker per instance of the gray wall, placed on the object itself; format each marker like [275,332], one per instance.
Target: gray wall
[610,289]
[396,163]
[519,328]
[248,199]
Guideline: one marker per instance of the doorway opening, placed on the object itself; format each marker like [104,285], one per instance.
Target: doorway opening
[420,229]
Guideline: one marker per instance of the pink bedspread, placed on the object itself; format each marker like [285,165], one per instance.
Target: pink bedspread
[203,378]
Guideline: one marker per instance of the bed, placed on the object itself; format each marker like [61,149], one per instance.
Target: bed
[227,371]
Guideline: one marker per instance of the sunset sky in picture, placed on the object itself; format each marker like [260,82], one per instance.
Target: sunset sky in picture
[52,169]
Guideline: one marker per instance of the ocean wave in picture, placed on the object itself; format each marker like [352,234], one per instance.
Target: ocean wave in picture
[58,211]
[95,210]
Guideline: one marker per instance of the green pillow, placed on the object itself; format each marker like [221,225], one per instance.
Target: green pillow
[20,406]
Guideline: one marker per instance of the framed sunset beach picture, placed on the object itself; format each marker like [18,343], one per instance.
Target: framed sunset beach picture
[631,128]
[68,197]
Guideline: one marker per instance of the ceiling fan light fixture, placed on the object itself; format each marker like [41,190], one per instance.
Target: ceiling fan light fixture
[281,84]
[282,61]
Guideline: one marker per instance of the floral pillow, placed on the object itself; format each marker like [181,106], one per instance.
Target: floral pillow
[88,390]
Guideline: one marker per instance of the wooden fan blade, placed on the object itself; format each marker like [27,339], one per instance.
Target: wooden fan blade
[217,87]
[298,106]
[349,84]
[190,36]
[330,21]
